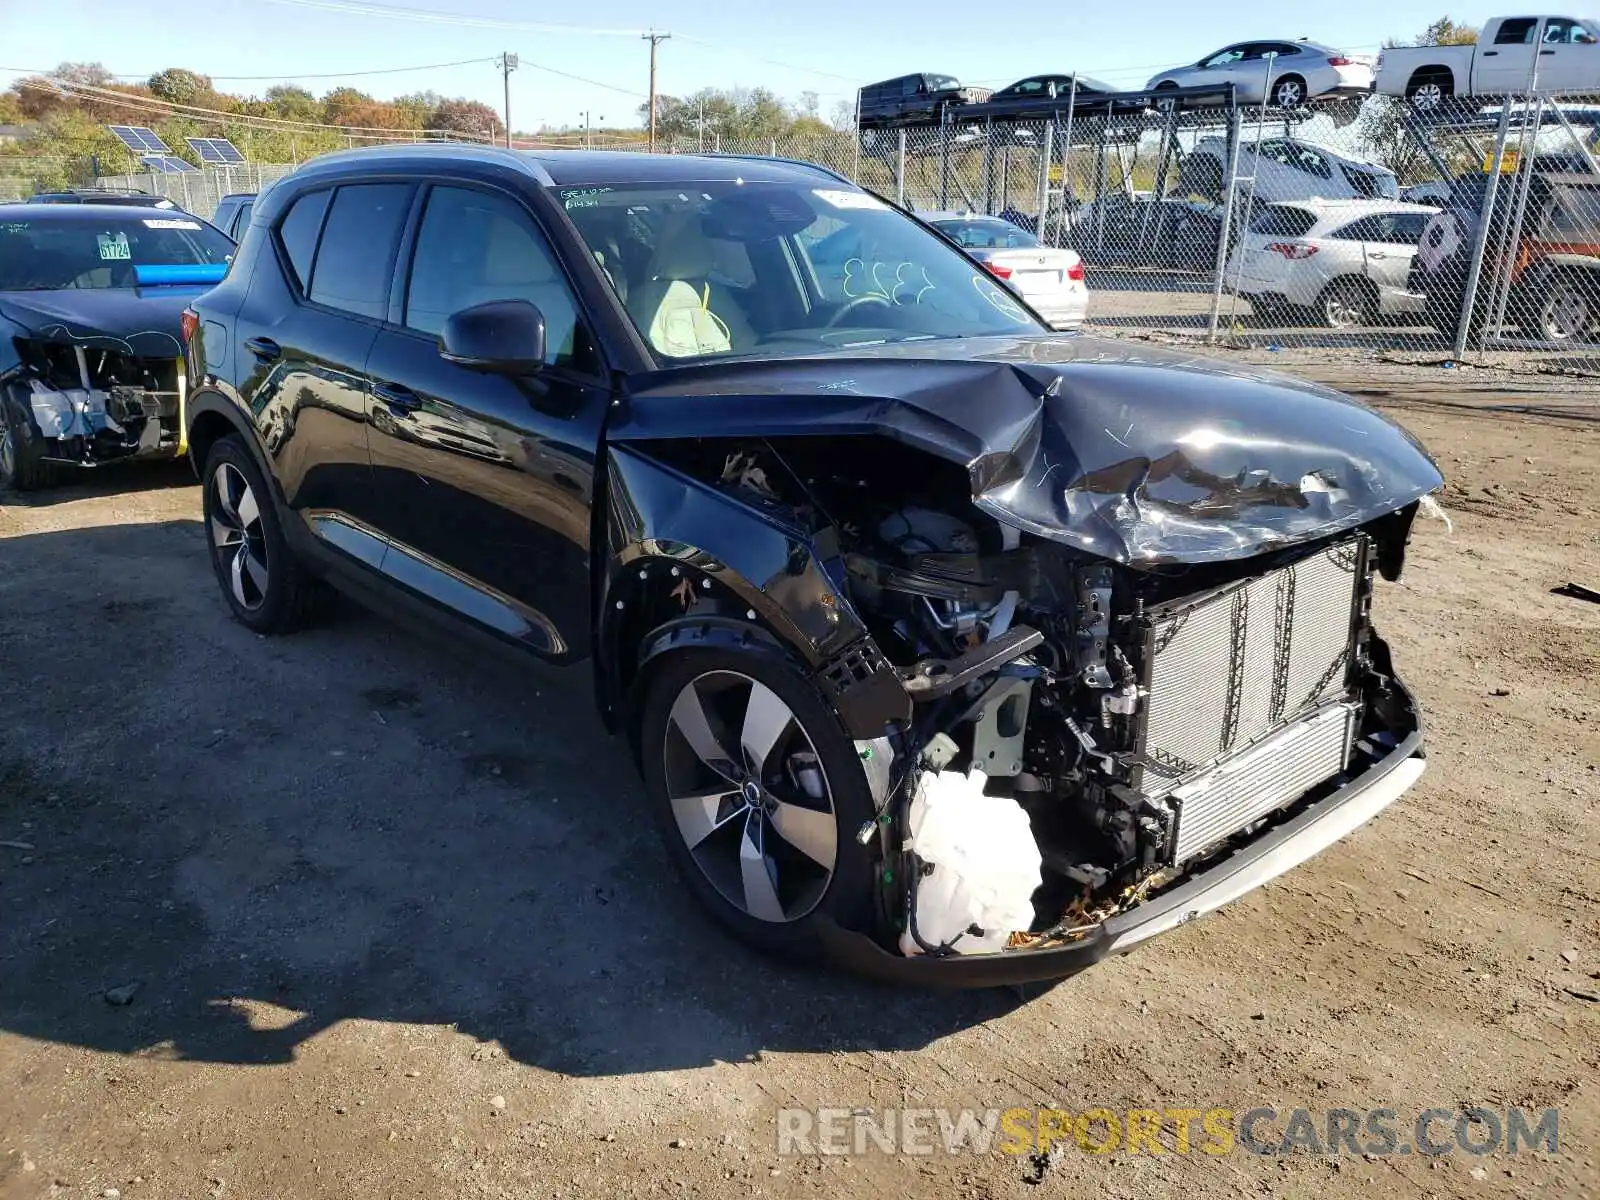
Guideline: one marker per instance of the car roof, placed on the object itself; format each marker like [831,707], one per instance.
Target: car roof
[586,167]
[1329,214]
[88,212]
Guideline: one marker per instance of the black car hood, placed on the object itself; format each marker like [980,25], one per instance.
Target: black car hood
[1129,453]
[142,322]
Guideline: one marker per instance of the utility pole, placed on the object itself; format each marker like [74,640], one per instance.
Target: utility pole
[655,39]
[588,128]
[507,64]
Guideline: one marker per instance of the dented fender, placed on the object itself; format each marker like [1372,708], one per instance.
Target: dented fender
[733,558]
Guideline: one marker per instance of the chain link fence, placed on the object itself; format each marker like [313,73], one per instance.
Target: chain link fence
[1465,231]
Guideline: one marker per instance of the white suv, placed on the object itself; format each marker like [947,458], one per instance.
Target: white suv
[1344,260]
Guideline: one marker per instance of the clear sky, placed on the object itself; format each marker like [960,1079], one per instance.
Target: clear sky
[826,46]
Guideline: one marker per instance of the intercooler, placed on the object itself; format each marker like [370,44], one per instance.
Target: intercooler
[1243,710]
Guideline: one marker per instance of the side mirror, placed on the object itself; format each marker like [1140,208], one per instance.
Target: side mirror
[502,337]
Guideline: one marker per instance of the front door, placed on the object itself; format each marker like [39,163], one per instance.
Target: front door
[486,481]
[1569,57]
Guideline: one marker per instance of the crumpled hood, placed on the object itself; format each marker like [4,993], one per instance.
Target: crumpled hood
[142,322]
[1129,453]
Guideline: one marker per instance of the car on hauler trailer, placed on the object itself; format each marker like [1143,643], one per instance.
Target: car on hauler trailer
[855,570]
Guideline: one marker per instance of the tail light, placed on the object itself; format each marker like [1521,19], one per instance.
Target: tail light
[187,324]
[1292,250]
[998,271]
[1075,271]
[1341,61]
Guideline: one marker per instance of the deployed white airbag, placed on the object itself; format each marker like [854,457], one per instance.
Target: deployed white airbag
[76,412]
[986,864]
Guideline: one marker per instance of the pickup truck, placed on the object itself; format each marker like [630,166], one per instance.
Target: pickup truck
[1512,55]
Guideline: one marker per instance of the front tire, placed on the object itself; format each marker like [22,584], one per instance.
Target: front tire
[21,448]
[265,586]
[758,792]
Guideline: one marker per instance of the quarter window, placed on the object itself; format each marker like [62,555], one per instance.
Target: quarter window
[475,247]
[298,232]
[357,248]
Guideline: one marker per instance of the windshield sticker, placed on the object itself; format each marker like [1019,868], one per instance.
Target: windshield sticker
[583,197]
[114,249]
[171,223]
[1002,300]
[840,198]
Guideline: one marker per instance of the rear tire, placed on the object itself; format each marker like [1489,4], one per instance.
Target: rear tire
[767,859]
[1567,311]
[1289,92]
[266,587]
[1347,304]
[1430,89]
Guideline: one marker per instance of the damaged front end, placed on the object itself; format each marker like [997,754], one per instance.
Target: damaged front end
[1133,666]
[92,401]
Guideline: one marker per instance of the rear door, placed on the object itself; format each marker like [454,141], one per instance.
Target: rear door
[1389,246]
[1506,64]
[303,335]
[485,482]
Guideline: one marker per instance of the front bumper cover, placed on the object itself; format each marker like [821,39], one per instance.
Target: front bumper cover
[1253,864]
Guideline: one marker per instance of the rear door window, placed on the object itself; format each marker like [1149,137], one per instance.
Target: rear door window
[356,253]
[1368,229]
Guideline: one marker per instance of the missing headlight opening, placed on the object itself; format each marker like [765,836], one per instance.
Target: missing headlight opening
[93,404]
[1083,734]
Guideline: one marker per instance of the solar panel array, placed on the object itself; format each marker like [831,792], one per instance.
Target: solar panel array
[140,139]
[166,164]
[215,151]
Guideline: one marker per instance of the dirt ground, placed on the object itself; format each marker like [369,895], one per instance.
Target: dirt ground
[395,924]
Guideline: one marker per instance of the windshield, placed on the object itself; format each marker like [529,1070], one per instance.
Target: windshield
[51,251]
[776,270]
[986,235]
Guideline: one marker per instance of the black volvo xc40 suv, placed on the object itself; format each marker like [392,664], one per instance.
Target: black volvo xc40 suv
[948,646]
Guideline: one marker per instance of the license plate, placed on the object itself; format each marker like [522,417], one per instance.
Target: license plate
[1040,276]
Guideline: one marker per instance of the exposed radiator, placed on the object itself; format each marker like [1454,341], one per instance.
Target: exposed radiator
[1226,670]
[1251,785]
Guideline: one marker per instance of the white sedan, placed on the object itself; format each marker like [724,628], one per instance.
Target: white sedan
[1347,261]
[1050,281]
[1288,73]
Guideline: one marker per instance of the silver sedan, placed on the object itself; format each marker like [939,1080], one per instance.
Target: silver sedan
[1289,73]
[1051,281]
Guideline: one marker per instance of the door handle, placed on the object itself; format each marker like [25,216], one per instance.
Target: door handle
[263,348]
[1547,52]
[1490,53]
[399,400]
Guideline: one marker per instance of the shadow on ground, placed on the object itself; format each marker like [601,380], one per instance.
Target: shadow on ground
[266,837]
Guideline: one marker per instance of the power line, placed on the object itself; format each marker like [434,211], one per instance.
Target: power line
[168,108]
[430,16]
[610,87]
